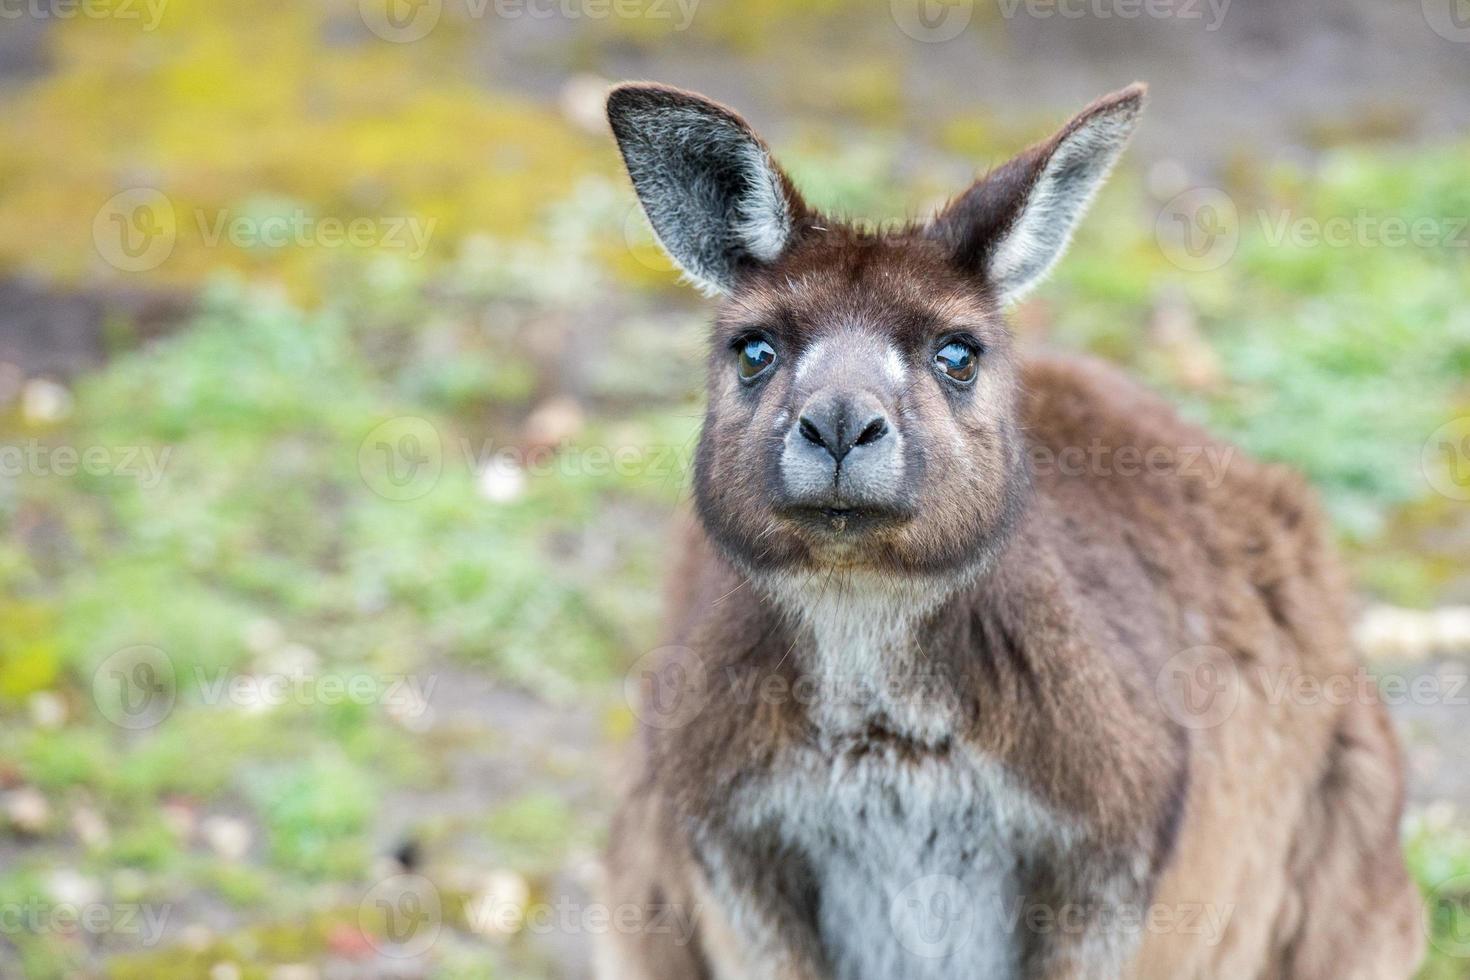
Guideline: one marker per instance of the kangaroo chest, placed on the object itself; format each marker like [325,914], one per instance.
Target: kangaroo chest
[917,862]
[915,842]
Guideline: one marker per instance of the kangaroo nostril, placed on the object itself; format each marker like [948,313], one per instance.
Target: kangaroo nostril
[831,424]
[872,432]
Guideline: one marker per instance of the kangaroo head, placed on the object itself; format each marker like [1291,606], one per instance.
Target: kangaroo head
[862,386]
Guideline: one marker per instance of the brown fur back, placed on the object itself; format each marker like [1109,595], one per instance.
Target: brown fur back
[1292,816]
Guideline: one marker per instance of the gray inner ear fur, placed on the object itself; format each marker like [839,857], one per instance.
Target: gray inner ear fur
[1057,199]
[707,184]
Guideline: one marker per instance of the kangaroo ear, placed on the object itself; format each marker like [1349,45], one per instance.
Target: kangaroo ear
[707,183]
[1014,223]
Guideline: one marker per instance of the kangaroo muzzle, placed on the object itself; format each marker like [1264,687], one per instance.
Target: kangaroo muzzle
[842,459]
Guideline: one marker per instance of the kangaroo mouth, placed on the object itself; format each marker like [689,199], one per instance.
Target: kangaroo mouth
[842,520]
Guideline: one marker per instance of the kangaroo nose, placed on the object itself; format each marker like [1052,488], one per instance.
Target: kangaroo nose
[839,423]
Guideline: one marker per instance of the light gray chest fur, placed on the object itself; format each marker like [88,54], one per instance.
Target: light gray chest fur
[914,839]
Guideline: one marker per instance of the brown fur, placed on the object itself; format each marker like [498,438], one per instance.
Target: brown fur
[1073,594]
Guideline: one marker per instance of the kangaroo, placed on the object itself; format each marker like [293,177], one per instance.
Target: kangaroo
[937,704]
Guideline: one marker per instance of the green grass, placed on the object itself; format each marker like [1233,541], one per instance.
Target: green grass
[1437,845]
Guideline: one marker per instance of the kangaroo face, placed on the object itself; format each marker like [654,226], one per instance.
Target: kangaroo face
[861,410]
[862,392]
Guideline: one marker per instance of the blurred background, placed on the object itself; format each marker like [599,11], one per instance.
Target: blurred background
[345,401]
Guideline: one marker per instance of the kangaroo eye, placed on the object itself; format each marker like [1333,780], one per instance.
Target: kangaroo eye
[958,361]
[756,356]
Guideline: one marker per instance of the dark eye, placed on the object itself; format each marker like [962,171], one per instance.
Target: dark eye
[756,355]
[958,360]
